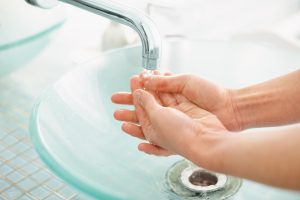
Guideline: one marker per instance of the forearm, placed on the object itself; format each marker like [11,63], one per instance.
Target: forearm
[269,157]
[272,103]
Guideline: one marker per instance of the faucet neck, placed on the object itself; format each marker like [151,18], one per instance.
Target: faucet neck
[137,20]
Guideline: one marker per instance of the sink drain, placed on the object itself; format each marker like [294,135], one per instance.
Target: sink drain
[201,180]
[192,182]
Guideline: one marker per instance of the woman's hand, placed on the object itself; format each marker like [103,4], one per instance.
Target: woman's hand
[204,94]
[168,120]
[182,128]
[176,123]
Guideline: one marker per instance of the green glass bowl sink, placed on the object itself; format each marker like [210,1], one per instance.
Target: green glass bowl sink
[73,129]
[25,31]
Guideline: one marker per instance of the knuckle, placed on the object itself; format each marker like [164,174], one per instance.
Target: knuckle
[133,116]
[161,81]
[188,80]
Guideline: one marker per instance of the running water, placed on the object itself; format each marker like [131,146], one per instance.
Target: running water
[148,72]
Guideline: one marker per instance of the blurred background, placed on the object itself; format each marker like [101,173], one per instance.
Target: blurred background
[80,35]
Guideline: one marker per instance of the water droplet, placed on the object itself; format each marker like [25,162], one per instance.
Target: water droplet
[148,72]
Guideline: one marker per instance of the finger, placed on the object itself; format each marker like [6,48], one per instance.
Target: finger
[124,98]
[135,83]
[180,98]
[140,113]
[145,105]
[175,84]
[167,99]
[146,101]
[146,73]
[126,115]
[133,130]
[156,72]
[156,97]
[153,149]
[168,74]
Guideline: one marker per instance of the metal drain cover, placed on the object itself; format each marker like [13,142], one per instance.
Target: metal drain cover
[201,180]
[210,186]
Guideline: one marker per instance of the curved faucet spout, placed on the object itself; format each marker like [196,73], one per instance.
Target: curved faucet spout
[138,21]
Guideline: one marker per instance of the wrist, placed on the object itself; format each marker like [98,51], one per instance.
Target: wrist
[254,107]
[207,149]
[228,112]
[270,103]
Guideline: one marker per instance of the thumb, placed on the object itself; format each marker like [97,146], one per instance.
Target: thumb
[145,100]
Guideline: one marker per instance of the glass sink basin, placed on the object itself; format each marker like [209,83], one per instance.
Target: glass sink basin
[73,129]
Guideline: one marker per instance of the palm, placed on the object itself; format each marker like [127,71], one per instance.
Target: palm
[179,102]
[185,111]
[184,105]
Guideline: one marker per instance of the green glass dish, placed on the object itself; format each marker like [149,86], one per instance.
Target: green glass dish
[73,130]
[25,32]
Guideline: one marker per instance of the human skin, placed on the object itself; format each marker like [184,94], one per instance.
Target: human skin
[180,119]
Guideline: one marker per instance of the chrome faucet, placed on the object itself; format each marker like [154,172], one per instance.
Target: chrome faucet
[138,21]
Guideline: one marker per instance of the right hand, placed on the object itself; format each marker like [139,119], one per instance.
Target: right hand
[168,105]
[204,94]
[180,128]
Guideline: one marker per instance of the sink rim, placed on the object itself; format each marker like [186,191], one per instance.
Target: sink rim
[31,38]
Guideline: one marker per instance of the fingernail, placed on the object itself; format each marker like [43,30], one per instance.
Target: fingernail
[124,126]
[139,148]
[115,114]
